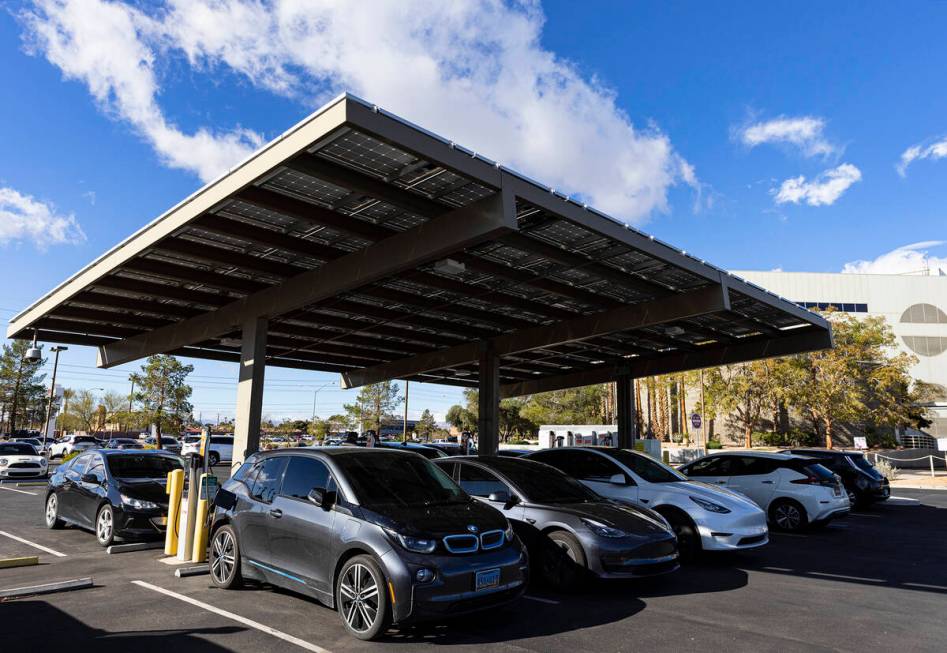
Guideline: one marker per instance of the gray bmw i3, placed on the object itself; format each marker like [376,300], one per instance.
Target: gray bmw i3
[382,535]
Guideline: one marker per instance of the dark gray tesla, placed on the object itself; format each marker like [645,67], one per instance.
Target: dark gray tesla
[608,539]
[382,535]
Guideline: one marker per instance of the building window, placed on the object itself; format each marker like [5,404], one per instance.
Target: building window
[844,307]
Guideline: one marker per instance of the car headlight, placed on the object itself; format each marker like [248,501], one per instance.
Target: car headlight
[138,504]
[603,530]
[710,506]
[415,544]
[42,462]
[3,462]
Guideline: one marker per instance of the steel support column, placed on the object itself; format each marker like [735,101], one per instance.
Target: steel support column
[625,407]
[246,438]
[488,418]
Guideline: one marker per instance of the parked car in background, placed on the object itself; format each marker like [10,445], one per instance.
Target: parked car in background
[863,482]
[219,450]
[795,491]
[588,533]
[167,442]
[382,535]
[124,443]
[115,493]
[21,460]
[72,443]
[452,448]
[37,444]
[423,449]
[514,453]
[704,517]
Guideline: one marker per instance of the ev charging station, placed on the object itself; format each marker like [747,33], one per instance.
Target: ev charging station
[190,493]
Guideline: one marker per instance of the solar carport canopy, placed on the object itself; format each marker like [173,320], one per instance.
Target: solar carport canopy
[377,250]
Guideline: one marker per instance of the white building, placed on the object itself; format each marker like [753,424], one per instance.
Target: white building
[915,306]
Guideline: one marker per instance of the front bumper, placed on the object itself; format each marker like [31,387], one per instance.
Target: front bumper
[140,524]
[24,472]
[621,558]
[736,533]
[452,591]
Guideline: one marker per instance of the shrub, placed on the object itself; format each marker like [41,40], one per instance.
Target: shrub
[69,456]
[714,444]
[886,469]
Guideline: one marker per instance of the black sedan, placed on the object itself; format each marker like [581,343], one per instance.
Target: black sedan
[570,530]
[427,451]
[116,493]
[862,480]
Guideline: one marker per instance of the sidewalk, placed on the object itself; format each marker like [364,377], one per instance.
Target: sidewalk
[920,479]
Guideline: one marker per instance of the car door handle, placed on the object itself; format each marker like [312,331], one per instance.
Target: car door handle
[766,482]
[721,482]
[645,500]
[276,512]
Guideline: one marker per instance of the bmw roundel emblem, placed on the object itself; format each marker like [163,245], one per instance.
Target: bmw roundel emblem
[472,528]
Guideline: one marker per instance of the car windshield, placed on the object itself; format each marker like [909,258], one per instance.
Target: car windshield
[541,483]
[17,449]
[83,438]
[383,479]
[647,468]
[863,463]
[139,466]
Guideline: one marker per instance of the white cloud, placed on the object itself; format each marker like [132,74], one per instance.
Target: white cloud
[936,150]
[475,72]
[903,260]
[23,218]
[820,191]
[804,132]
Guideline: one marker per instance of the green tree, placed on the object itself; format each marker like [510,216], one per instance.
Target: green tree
[461,418]
[373,403]
[745,391]
[426,425]
[318,428]
[83,409]
[162,392]
[116,408]
[21,385]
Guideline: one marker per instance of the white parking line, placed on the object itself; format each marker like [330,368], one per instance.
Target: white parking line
[10,489]
[34,545]
[235,617]
[540,599]
[823,574]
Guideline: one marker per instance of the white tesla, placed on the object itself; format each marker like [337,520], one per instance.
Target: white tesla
[704,517]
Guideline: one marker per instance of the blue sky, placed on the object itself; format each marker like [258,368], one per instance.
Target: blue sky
[800,136]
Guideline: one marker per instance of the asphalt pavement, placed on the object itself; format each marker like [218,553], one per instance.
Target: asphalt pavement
[877,580]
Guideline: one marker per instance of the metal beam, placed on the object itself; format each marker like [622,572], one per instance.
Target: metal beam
[625,409]
[485,220]
[796,341]
[696,302]
[246,434]
[488,397]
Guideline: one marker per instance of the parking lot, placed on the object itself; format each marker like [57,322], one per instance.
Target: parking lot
[876,579]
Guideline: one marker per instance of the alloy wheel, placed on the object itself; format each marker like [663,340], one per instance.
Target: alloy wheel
[224,558]
[103,525]
[787,516]
[52,508]
[568,549]
[359,597]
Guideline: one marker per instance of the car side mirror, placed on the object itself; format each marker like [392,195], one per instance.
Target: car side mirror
[618,479]
[90,478]
[321,497]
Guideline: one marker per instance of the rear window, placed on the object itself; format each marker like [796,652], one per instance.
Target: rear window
[811,468]
[83,438]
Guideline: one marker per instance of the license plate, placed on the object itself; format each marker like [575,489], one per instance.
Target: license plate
[487,578]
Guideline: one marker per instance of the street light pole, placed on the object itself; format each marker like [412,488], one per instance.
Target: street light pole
[52,392]
[404,428]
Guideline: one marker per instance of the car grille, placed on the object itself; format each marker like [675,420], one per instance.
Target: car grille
[753,539]
[491,540]
[24,465]
[461,543]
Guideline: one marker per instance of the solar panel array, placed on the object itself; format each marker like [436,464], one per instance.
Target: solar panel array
[355,189]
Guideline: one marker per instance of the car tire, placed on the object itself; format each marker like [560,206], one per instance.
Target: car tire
[52,512]
[688,538]
[213,458]
[361,598]
[788,515]
[564,565]
[224,559]
[105,525]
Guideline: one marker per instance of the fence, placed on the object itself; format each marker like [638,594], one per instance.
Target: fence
[930,458]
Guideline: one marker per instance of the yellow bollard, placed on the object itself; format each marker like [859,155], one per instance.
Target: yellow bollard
[174,489]
[199,551]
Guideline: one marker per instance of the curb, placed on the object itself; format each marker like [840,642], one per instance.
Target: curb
[48,588]
[198,570]
[135,546]
[26,561]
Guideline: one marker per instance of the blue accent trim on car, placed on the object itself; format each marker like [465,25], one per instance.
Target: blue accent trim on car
[276,571]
